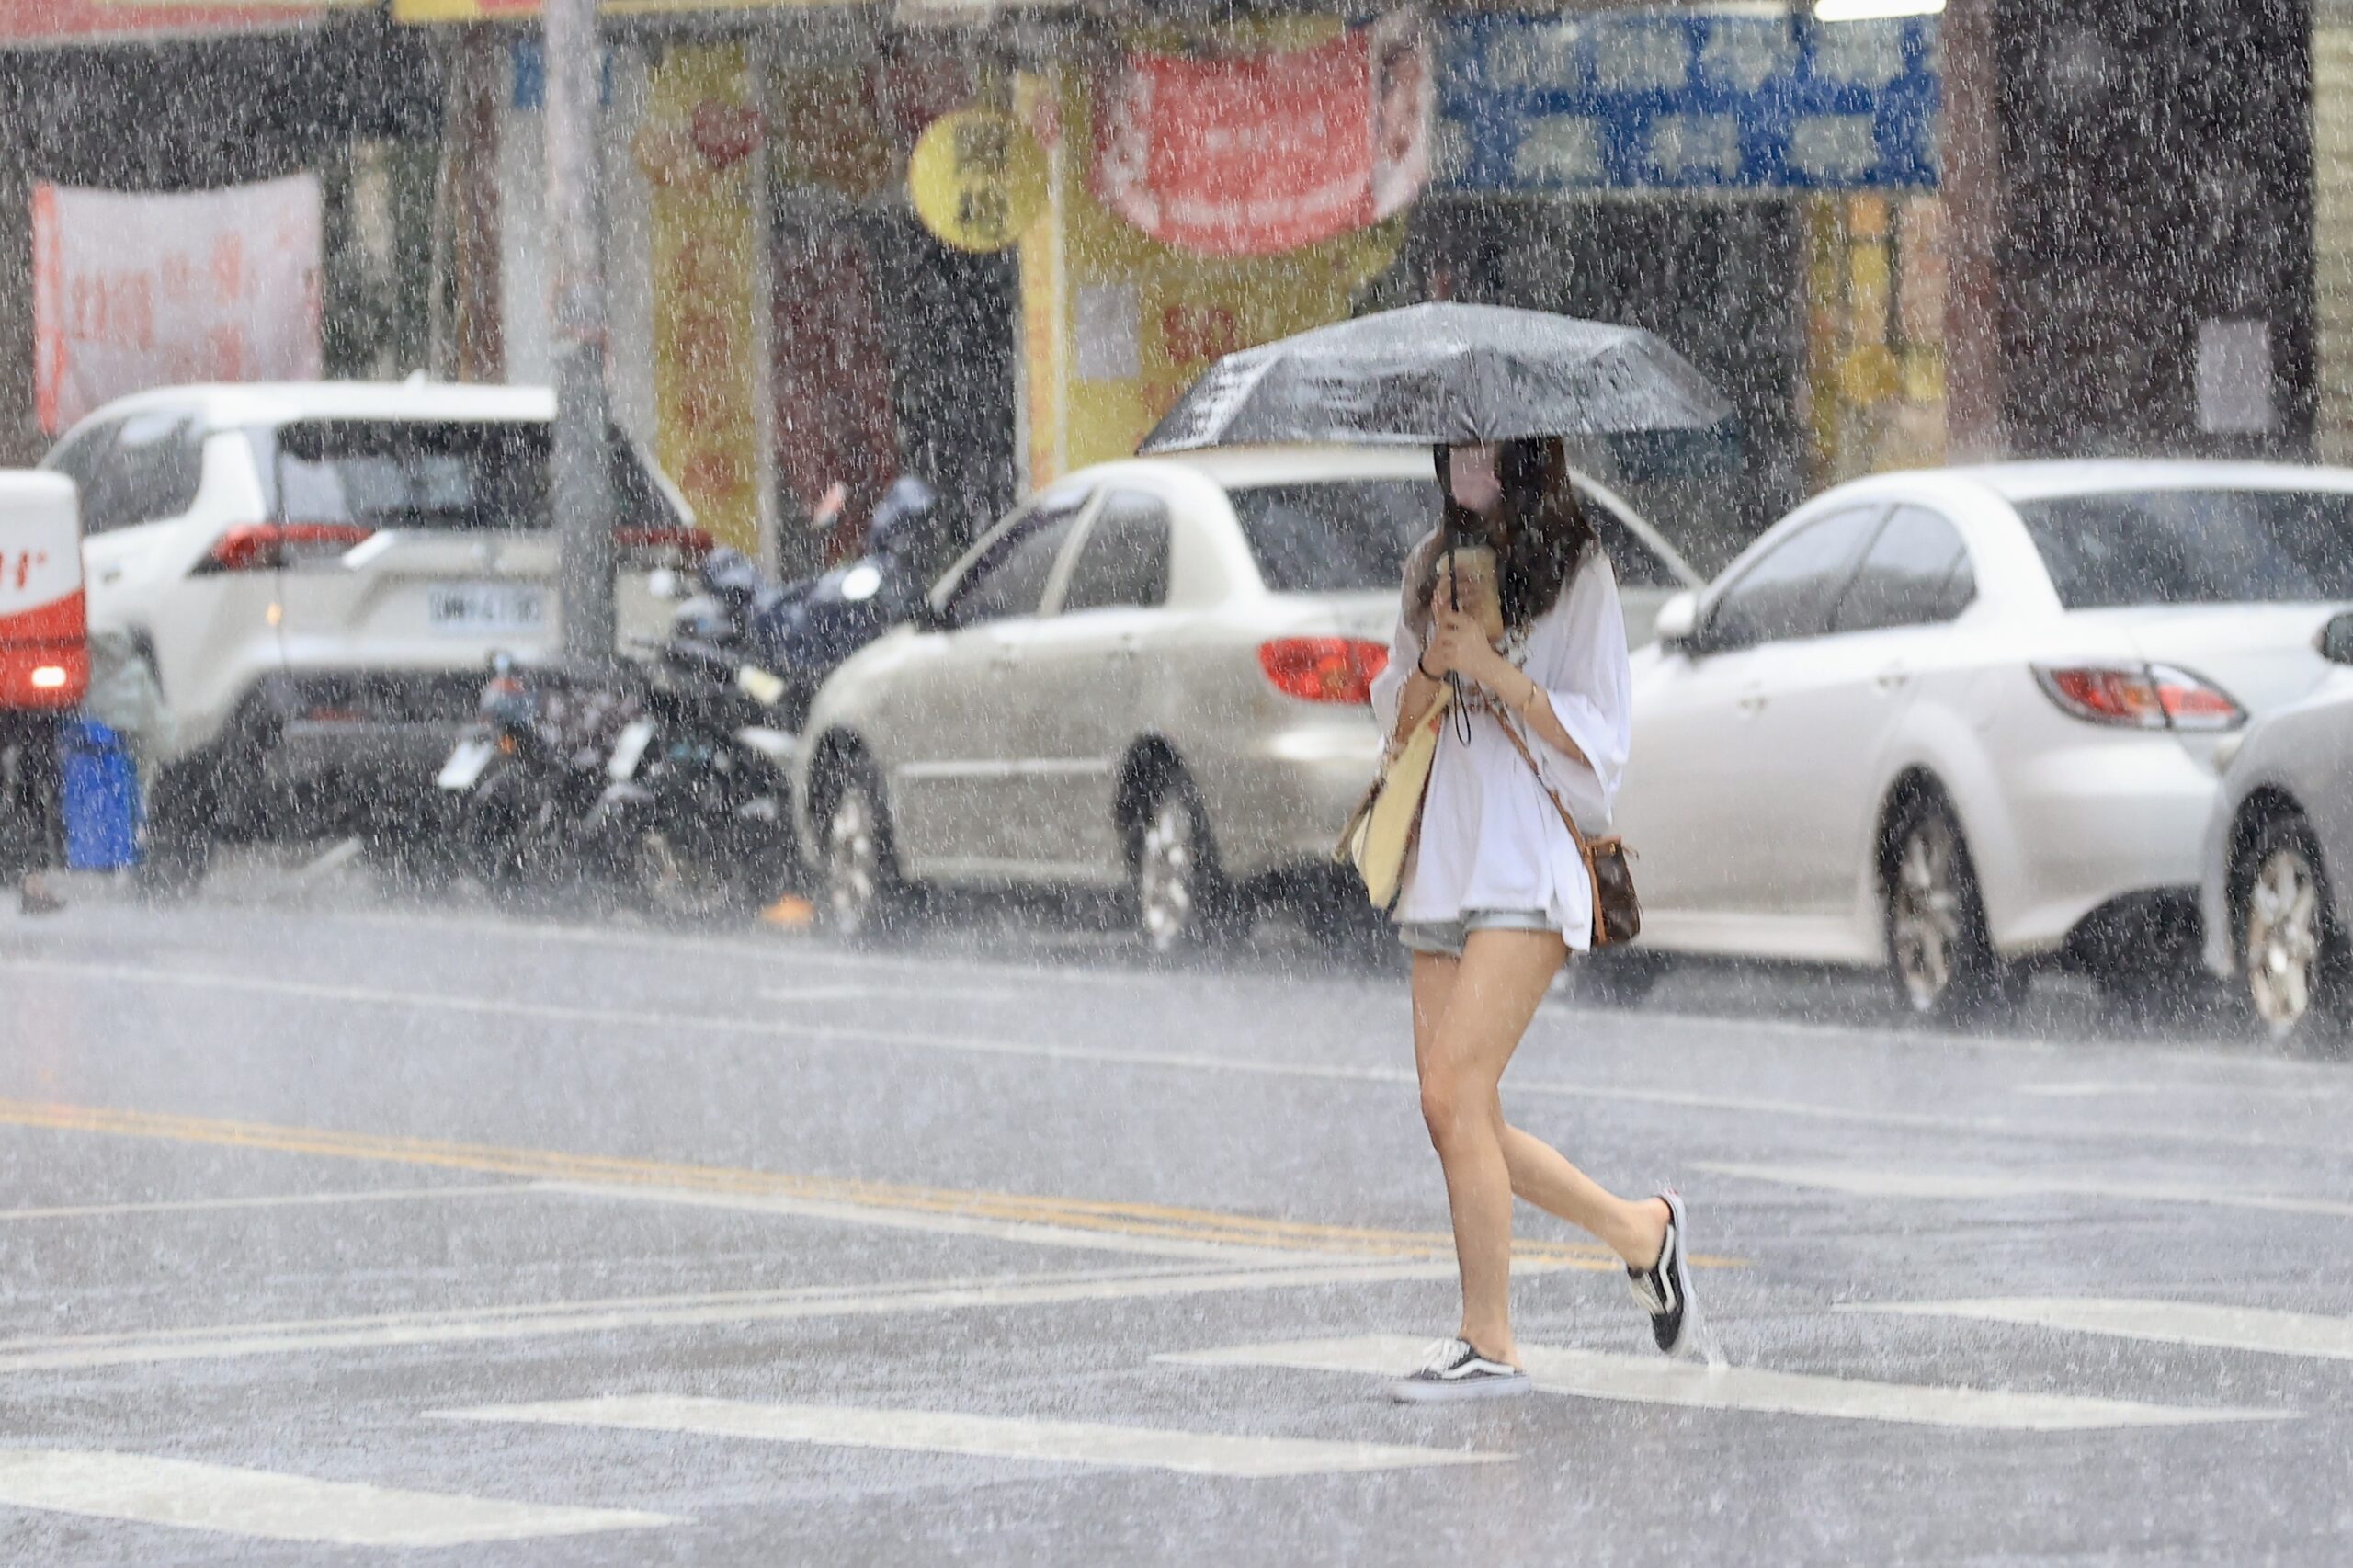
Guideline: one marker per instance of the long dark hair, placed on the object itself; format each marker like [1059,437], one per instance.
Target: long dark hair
[1540,533]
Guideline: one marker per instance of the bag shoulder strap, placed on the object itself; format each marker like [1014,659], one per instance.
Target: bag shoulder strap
[1568,818]
[1388,745]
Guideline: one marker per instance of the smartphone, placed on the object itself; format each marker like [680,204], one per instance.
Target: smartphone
[1475,568]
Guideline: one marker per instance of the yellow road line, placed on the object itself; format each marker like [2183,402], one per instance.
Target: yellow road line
[1144,1220]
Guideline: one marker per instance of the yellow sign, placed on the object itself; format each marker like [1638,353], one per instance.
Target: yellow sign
[978,178]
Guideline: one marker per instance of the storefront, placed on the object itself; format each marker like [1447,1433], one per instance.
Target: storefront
[1206,190]
[1758,189]
[352,111]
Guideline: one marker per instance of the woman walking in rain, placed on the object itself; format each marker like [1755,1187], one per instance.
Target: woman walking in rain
[1496,893]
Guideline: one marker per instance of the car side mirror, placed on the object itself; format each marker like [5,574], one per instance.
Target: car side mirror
[2336,640]
[1679,623]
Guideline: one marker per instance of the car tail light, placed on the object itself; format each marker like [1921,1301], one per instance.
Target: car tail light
[1324,669]
[642,549]
[265,547]
[2143,696]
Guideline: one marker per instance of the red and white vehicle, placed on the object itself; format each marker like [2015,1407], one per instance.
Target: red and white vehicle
[44,662]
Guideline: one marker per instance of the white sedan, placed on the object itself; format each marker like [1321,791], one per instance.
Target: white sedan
[1153,676]
[1957,721]
[2279,882]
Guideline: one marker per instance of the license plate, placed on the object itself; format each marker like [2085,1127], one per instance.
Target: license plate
[468,608]
[628,750]
[465,765]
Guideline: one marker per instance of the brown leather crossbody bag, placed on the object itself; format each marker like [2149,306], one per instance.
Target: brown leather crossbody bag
[1617,909]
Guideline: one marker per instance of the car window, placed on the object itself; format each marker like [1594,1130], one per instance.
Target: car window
[468,476]
[1915,573]
[1787,592]
[2155,547]
[140,469]
[1010,578]
[82,458]
[1343,536]
[1125,559]
[1637,565]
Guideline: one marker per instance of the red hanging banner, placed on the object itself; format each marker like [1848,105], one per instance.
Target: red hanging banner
[1257,155]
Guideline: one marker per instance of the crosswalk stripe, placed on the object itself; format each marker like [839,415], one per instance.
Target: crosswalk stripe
[2171,1323]
[1968,1186]
[616,1314]
[981,1436]
[1654,1380]
[267,1504]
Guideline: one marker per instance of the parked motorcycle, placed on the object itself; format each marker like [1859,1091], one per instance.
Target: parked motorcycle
[698,787]
[527,781]
[801,632]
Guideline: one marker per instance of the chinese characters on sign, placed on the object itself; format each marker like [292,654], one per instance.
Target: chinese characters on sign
[978,180]
[1657,101]
[136,290]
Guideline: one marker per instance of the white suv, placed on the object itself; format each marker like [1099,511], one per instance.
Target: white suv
[319,573]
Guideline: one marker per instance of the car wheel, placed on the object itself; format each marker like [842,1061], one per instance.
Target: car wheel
[863,891]
[2283,936]
[1183,900]
[1938,951]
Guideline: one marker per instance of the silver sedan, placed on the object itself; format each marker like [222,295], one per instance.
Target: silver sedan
[2278,885]
[1151,677]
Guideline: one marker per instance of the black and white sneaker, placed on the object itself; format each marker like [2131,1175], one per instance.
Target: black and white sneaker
[1665,1288]
[1455,1371]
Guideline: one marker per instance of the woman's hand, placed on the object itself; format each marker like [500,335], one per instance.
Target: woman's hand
[1458,645]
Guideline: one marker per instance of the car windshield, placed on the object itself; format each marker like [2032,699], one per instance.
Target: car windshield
[2153,547]
[1343,536]
[470,475]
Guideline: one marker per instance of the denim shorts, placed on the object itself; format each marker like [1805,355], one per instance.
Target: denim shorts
[1444,938]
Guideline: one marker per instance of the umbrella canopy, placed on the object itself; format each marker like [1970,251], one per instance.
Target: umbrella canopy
[1443,372]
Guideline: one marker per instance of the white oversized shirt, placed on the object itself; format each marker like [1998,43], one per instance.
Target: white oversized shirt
[1490,838]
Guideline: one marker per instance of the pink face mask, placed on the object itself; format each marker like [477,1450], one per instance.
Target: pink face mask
[1472,476]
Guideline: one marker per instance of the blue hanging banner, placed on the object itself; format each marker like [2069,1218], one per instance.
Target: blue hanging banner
[1670,101]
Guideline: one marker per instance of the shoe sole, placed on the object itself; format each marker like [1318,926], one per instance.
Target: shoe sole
[1410,1392]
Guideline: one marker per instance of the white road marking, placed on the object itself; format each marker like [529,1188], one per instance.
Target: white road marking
[1652,1380]
[535,1319]
[1964,1187]
[274,1506]
[873,1216]
[2102,1088]
[927,992]
[981,1437]
[672,1022]
[2170,1322]
[279,1201]
[926,965]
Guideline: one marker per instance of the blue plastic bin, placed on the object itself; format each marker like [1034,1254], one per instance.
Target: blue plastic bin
[101,799]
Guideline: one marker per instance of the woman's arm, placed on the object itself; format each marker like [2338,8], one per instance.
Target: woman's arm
[1524,697]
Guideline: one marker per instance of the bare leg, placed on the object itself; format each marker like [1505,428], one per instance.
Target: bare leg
[1540,1174]
[1461,1054]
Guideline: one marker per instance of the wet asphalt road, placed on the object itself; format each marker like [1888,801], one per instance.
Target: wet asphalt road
[344,1229]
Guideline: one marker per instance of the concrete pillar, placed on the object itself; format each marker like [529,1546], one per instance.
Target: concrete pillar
[1977,212]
